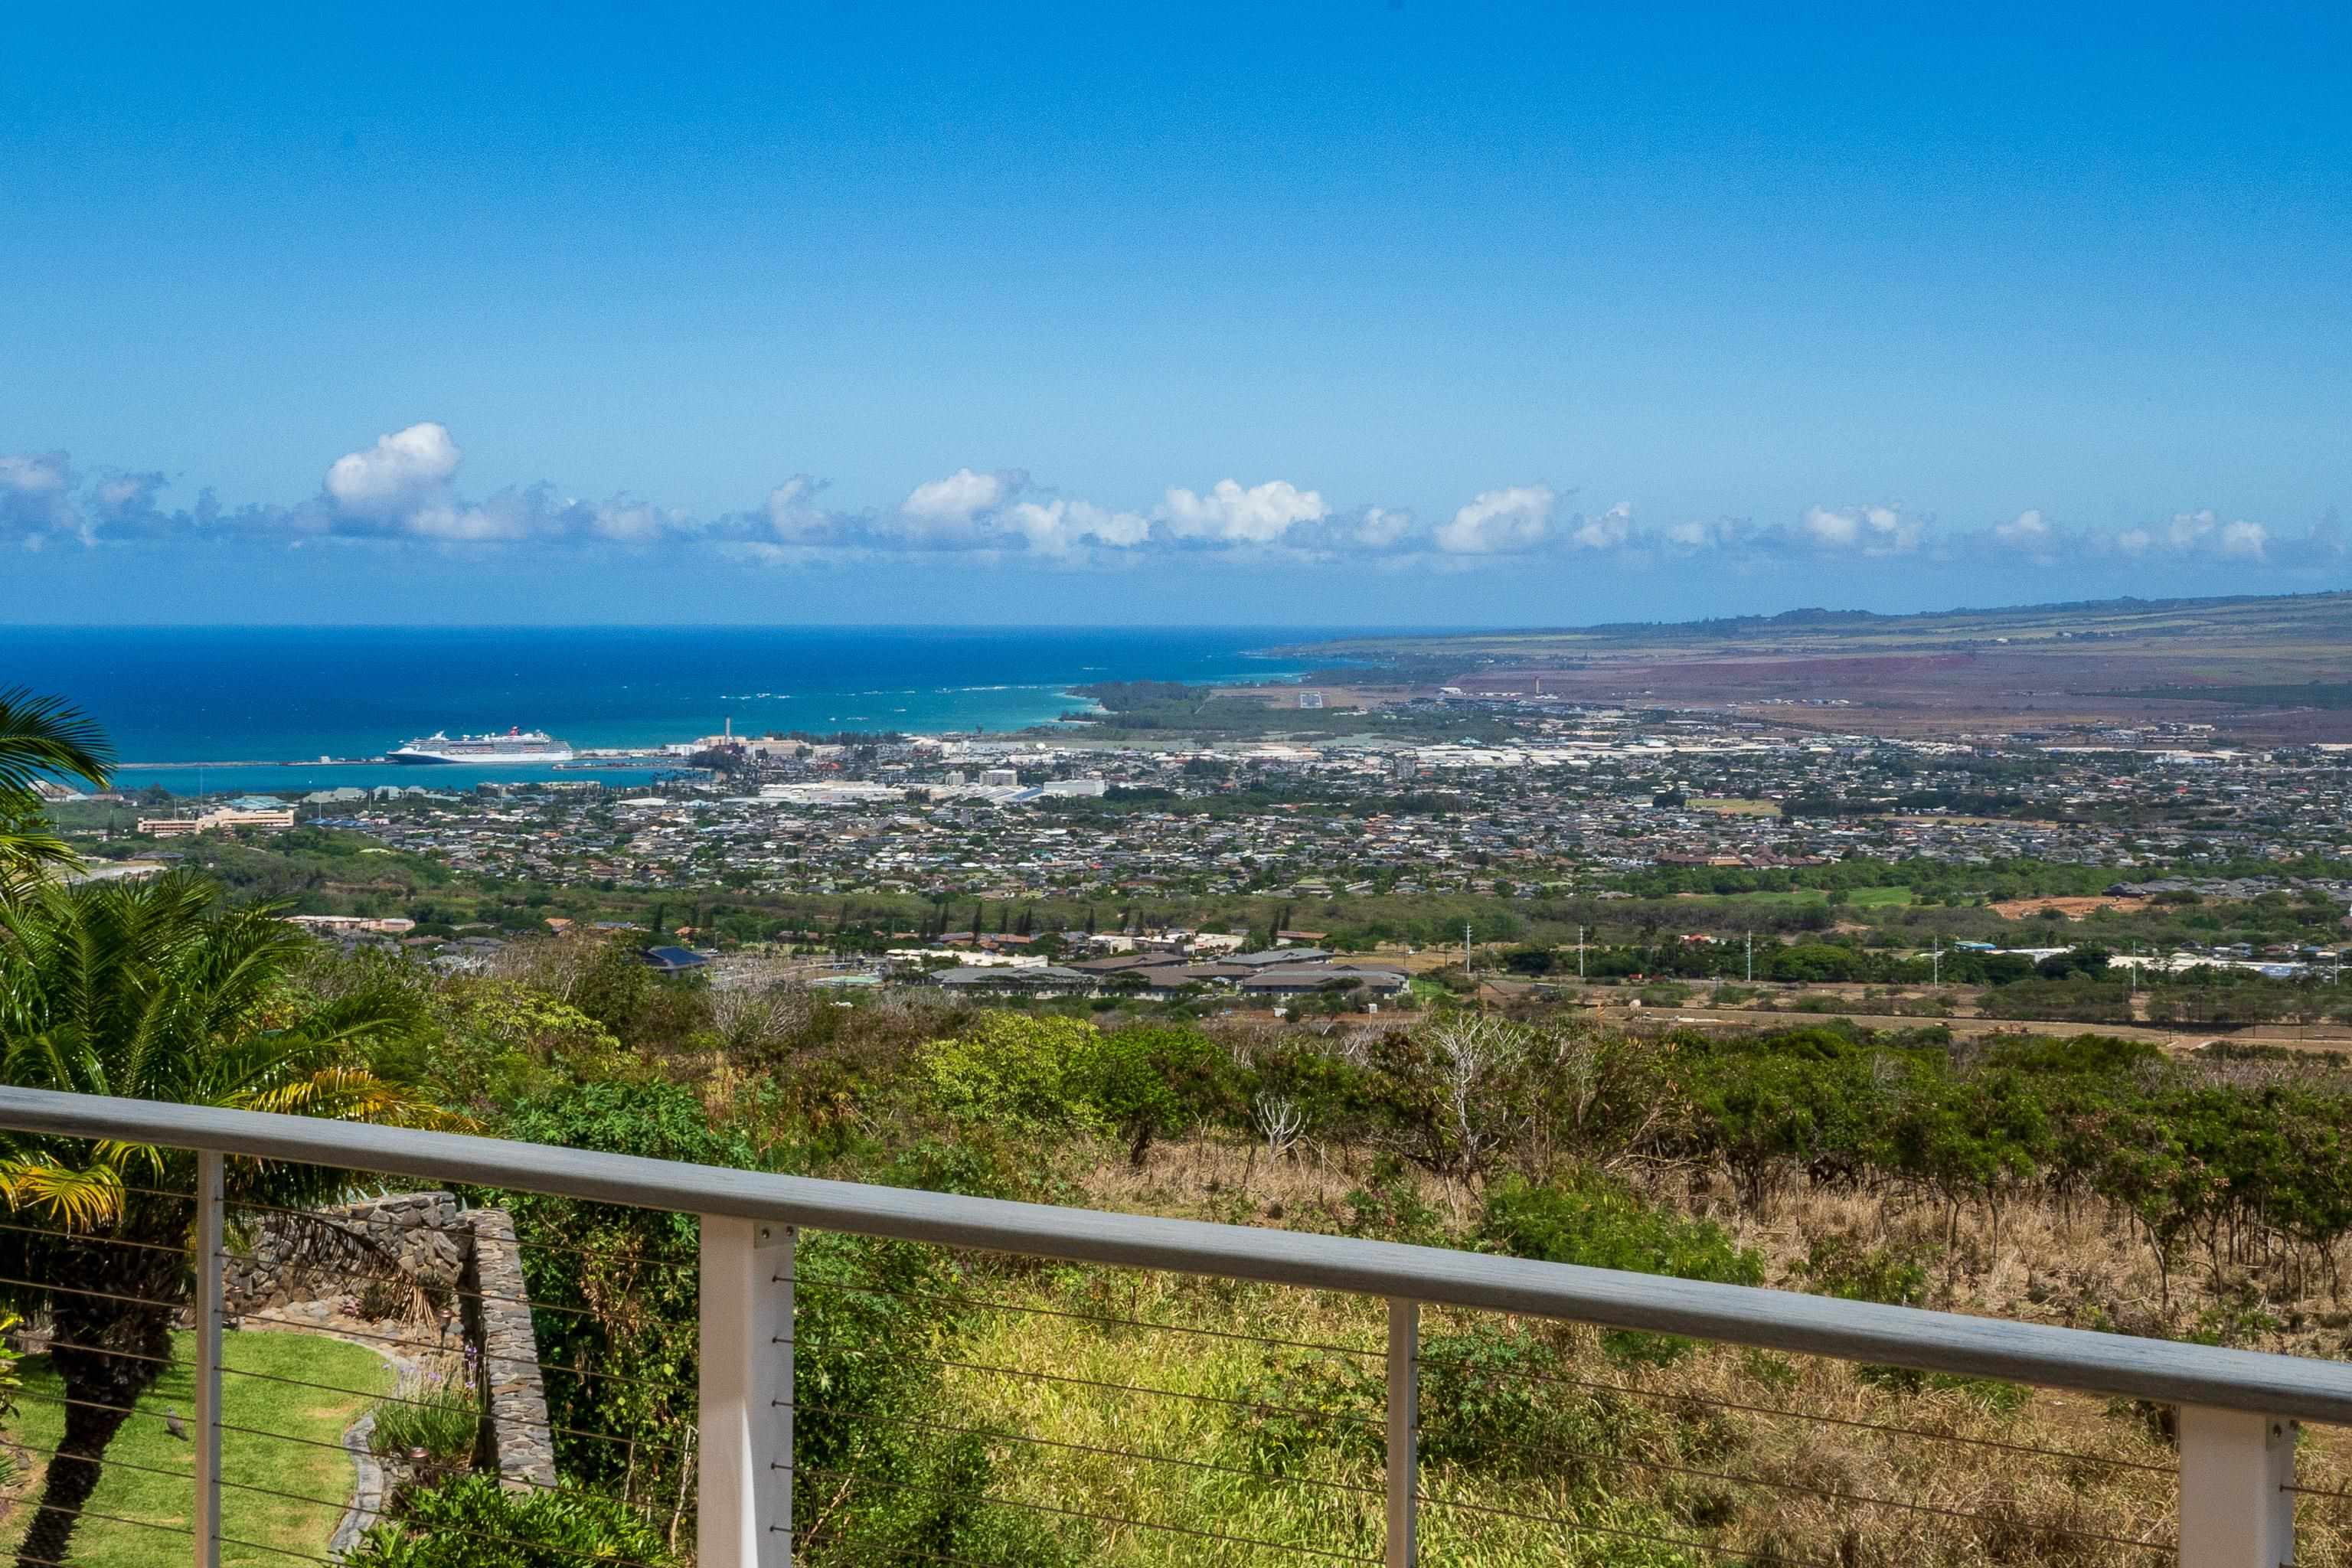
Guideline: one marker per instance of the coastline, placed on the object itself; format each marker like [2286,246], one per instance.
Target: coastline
[254,710]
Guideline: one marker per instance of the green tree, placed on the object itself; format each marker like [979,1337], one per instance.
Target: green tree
[146,991]
[1150,1082]
[1018,1073]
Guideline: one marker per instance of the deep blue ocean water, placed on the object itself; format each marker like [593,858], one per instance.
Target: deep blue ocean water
[276,695]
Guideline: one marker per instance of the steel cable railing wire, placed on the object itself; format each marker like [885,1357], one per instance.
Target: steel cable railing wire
[1579,1526]
[990,1434]
[450,1347]
[1597,1458]
[1256,1406]
[346,1228]
[1673,1397]
[610,1254]
[462,1294]
[55,1455]
[158,1193]
[91,1295]
[1618,1532]
[1114,1519]
[340,1506]
[183,1532]
[57,1345]
[78,1237]
[895,1554]
[339,1448]
[991,1305]
[331,1388]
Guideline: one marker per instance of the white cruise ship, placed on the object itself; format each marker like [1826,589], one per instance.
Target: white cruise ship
[514,746]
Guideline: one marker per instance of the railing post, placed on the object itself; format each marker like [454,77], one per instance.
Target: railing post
[1404,1427]
[2235,1510]
[211,1204]
[743,1500]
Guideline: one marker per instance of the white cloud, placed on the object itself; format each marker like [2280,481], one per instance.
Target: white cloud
[402,487]
[37,497]
[2029,529]
[396,478]
[1606,531]
[452,525]
[1231,515]
[2189,529]
[29,475]
[793,515]
[1699,534]
[1057,527]
[957,498]
[1382,528]
[2203,532]
[1499,523]
[1868,530]
[2243,541]
[631,523]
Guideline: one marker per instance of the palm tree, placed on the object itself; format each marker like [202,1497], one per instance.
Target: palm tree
[40,737]
[149,991]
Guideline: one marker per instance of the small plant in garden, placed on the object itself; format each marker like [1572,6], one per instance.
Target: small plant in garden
[469,1522]
[432,1421]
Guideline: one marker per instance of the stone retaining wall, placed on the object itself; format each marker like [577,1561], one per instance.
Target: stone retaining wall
[419,1239]
[406,1256]
[498,1321]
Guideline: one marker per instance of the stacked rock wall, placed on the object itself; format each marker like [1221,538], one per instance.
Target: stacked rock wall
[401,1257]
[420,1239]
[498,1321]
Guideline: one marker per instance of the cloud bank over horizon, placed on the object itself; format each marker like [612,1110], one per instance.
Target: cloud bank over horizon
[403,492]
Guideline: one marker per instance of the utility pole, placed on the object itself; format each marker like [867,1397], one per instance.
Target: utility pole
[1579,955]
[1935,964]
[1751,958]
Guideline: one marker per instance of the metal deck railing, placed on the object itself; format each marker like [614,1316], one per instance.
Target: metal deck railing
[1358,1432]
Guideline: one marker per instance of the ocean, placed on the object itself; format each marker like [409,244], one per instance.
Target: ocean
[260,705]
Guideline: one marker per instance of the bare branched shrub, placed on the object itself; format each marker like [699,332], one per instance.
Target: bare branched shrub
[1279,1123]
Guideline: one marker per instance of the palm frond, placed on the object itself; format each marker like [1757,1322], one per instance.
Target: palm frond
[43,737]
[351,1094]
[79,1197]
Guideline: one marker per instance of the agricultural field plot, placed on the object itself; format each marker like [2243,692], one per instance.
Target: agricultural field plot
[1729,808]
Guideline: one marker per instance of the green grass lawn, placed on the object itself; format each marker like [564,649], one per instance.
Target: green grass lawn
[247,1402]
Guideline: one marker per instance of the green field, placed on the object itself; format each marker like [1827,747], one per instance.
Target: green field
[158,1490]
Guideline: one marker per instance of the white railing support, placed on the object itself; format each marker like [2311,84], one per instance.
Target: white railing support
[744,1494]
[210,1206]
[2235,1510]
[1404,1428]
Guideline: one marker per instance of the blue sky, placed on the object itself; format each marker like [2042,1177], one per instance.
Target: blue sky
[1354,313]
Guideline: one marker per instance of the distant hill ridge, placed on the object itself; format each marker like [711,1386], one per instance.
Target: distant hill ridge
[2231,616]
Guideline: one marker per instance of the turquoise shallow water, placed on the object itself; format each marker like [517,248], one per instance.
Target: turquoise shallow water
[278,695]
